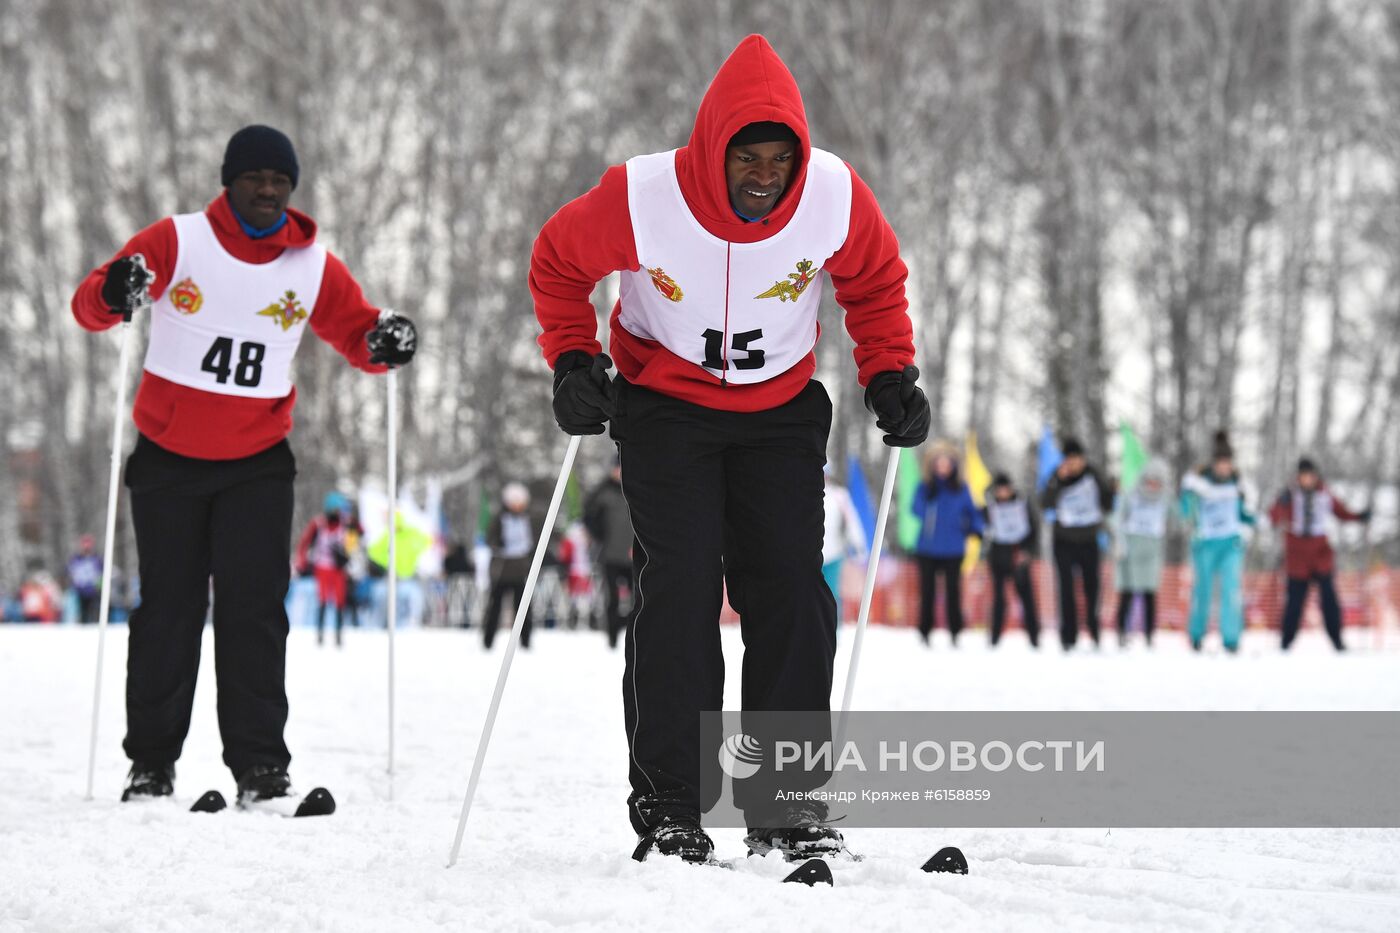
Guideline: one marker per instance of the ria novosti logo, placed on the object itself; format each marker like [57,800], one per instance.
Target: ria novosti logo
[740,755]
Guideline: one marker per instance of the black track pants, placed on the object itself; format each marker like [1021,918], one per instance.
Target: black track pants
[1083,556]
[1331,608]
[950,569]
[1019,575]
[229,520]
[719,498]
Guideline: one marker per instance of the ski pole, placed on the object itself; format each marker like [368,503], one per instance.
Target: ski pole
[520,614]
[868,594]
[109,538]
[391,414]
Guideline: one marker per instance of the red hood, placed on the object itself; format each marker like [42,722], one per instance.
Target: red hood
[299,231]
[752,86]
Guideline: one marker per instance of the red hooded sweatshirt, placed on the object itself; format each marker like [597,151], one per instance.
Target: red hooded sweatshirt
[206,425]
[591,237]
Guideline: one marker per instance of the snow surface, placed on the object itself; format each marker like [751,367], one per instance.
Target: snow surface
[548,844]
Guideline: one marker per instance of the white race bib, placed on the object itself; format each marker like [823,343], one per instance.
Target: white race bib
[1146,518]
[1010,522]
[744,311]
[1218,516]
[1078,505]
[228,326]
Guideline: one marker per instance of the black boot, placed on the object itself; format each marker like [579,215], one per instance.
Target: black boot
[148,779]
[677,836]
[262,783]
[807,835]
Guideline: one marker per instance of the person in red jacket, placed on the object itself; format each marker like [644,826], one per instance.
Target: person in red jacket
[723,246]
[324,550]
[234,288]
[1306,511]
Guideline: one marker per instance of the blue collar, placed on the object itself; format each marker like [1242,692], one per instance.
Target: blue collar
[253,231]
[747,220]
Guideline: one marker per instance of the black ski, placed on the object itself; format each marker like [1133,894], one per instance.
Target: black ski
[210,802]
[318,802]
[949,859]
[814,871]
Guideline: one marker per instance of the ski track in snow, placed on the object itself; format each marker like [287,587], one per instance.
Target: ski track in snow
[548,844]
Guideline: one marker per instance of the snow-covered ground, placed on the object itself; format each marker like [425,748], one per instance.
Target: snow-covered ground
[548,845]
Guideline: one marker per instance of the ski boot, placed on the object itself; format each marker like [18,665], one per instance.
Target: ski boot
[679,836]
[149,780]
[807,836]
[263,783]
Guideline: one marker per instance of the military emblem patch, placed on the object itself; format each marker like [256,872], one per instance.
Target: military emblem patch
[665,284]
[186,296]
[287,311]
[789,291]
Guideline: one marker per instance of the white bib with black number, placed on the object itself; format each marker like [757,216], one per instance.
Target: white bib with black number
[1218,512]
[742,311]
[1146,518]
[228,326]
[1078,505]
[1315,522]
[1010,521]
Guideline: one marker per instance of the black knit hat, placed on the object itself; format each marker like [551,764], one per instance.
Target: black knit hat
[1072,447]
[1307,465]
[258,147]
[764,132]
[1001,479]
[1220,448]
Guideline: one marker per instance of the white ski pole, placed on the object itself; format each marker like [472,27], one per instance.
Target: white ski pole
[868,594]
[392,387]
[109,538]
[520,614]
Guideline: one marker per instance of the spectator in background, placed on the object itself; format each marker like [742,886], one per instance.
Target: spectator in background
[1080,497]
[85,577]
[844,535]
[1013,537]
[947,516]
[324,550]
[1140,531]
[510,536]
[39,597]
[1213,504]
[609,523]
[1307,512]
[577,565]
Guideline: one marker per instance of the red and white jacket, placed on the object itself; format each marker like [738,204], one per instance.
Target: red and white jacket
[226,425]
[716,310]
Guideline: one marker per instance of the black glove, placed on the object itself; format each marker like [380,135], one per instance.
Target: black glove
[124,288]
[1365,516]
[584,394]
[900,408]
[393,340]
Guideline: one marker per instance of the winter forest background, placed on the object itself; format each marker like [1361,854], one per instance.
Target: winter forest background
[1178,214]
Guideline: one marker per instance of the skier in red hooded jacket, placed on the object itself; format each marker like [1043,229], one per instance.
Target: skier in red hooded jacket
[235,287]
[722,246]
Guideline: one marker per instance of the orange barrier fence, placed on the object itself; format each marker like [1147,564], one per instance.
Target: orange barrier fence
[1367,598]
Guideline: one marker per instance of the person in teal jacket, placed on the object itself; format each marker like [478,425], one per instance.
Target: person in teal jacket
[1213,506]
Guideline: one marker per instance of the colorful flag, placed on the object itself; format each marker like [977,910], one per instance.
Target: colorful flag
[977,477]
[483,514]
[573,501]
[1134,456]
[1048,458]
[860,498]
[906,484]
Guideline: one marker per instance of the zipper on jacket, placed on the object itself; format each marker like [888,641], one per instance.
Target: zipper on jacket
[724,346]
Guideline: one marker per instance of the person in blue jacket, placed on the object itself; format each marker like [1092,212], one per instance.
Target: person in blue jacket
[947,517]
